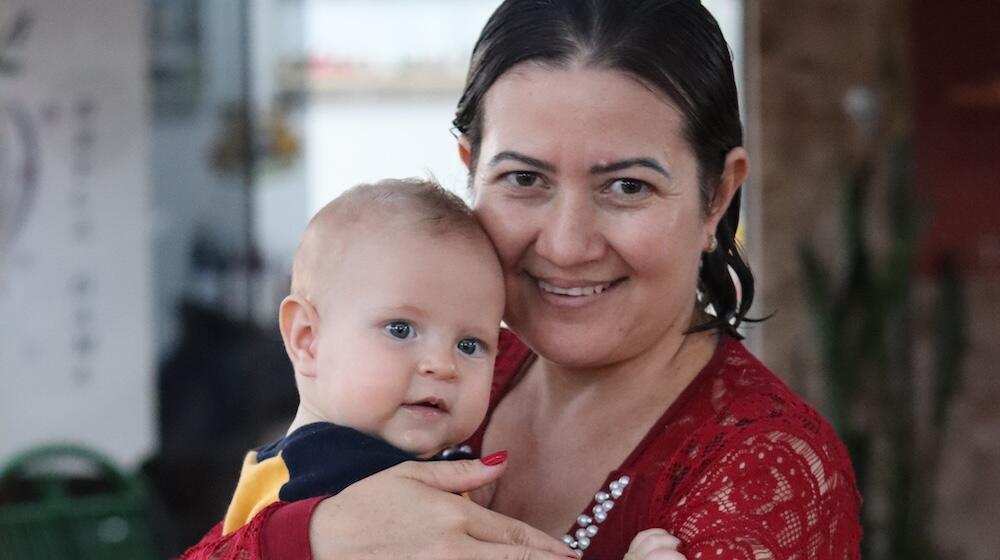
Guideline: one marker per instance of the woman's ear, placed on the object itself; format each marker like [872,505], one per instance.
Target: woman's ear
[733,174]
[299,324]
[465,152]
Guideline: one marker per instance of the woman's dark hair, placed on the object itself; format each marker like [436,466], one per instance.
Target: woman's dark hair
[675,46]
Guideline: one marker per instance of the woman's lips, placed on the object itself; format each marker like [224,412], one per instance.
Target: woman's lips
[574,292]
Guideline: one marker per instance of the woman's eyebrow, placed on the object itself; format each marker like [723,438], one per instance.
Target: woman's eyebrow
[627,163]
[510,155]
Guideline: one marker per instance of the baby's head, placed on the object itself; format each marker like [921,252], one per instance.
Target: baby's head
[394,315]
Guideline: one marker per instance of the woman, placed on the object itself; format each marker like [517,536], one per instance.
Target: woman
[604,151]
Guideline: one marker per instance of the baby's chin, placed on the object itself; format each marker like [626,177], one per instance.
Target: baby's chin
[428,454]
[422,452]
[418,444]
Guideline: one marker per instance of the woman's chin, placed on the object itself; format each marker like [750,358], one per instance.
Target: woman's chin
[576,346]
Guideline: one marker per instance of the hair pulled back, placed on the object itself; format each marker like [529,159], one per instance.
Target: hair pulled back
[675,46]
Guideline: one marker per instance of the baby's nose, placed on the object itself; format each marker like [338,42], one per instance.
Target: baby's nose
[439,365]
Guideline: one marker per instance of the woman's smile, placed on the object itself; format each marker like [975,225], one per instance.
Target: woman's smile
[573,293]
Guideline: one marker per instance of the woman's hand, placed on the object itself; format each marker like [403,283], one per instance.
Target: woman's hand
[410,511]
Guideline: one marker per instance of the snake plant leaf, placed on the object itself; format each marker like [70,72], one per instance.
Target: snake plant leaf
[827,321]
[949,325]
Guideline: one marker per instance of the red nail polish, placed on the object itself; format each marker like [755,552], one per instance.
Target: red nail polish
[494,459]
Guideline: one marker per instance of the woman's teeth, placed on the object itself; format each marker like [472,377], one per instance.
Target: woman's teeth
[576,291]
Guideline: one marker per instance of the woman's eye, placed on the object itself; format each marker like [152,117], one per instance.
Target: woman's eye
[628,187]
[521,178]
[470,346]
[400,329]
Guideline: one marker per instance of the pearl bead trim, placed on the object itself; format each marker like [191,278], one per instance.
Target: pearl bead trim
[588,526]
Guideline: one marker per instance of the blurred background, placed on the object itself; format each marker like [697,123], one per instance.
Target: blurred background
[160,158]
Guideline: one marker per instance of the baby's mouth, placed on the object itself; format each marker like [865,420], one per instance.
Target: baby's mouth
[429,404]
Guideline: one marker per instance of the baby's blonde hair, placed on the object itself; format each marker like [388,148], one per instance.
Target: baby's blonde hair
[422,204]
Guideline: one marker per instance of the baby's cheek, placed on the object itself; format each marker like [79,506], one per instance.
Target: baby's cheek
[475,402]
[366,406]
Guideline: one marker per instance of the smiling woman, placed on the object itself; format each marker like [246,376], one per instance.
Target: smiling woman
[603,144]
[593,229]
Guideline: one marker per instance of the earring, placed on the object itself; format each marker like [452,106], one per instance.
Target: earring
[713,244]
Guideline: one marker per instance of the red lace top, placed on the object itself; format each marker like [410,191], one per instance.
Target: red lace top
[738,467]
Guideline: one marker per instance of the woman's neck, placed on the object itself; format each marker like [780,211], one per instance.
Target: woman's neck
[657,376]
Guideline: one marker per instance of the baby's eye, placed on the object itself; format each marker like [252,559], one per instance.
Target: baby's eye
[521,178]
[400,329]
[629,187]
[470,346]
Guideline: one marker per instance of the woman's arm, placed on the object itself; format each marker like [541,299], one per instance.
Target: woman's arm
[402,512]
[407,511]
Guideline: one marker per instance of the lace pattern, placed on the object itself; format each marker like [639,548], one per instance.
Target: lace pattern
[762,476]
[243,544]
[280,530]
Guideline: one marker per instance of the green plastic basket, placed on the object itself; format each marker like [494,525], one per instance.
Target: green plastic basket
[66,502]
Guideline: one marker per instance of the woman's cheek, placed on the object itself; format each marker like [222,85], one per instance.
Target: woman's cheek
[504,226]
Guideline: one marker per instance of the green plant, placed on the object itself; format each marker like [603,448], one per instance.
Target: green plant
[864,320]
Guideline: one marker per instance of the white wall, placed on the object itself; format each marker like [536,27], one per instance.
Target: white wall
[76,339]
[366,138]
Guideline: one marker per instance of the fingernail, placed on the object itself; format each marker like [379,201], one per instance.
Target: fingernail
[494,459]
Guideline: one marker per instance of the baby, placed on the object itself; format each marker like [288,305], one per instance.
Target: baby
[391,327]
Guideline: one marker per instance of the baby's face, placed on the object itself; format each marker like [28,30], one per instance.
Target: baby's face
[407,338]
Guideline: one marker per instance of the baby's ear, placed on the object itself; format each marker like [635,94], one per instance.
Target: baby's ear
[299,323]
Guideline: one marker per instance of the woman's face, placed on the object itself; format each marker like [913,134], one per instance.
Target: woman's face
[586,185]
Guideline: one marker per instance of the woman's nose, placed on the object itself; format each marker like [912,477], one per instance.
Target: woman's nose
[569,233]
